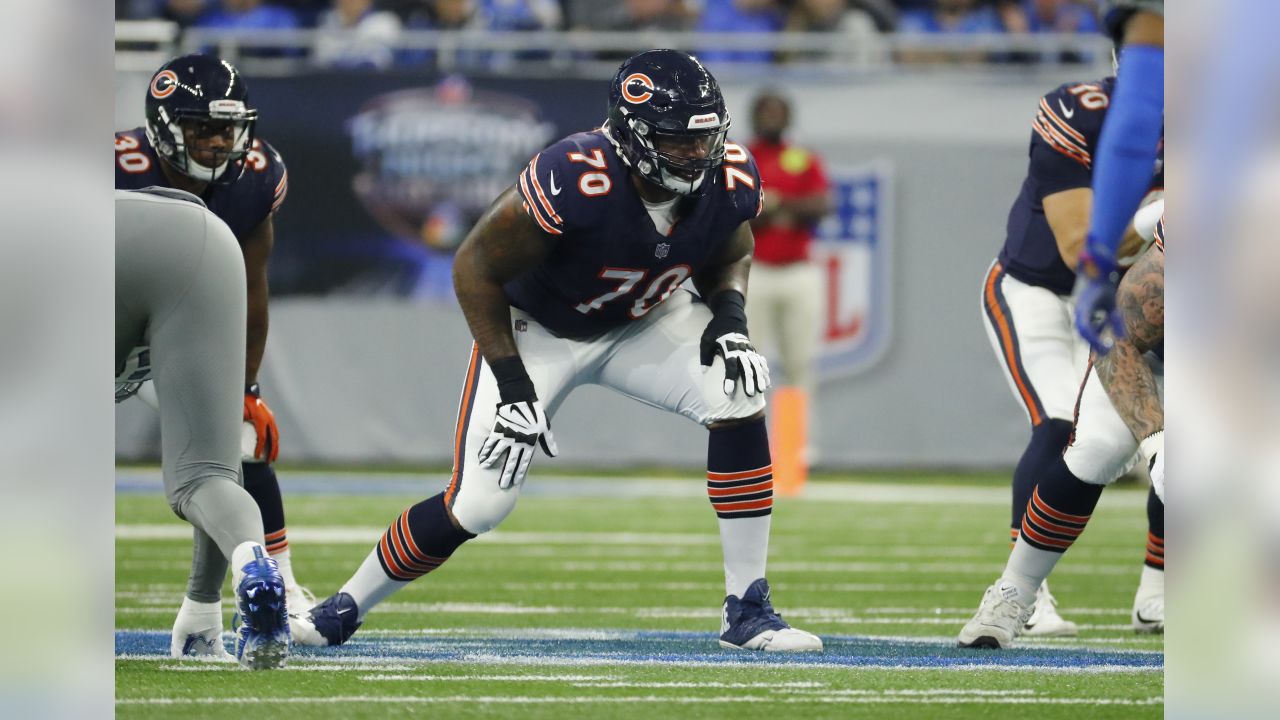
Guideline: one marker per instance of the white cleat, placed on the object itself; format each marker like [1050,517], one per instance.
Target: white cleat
[297,596]
[197,633]
[202,645]
[1045,620]
[751,623]
[304,631]
[998,620]
[1148,613]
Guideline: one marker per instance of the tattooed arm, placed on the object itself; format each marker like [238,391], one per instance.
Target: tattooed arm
[504,244]
[1125,375]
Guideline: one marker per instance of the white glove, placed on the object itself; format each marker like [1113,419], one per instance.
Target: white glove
[1153,450]
[519,426]
[741,361]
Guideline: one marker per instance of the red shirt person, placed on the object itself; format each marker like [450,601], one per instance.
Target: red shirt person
[785,303]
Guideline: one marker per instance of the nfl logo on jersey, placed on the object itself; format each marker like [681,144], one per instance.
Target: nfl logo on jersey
[661,250]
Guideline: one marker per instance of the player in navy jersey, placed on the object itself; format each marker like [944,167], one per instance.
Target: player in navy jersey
[575,276]
[1119,418]
[199,137]
[1126,149]
[1028,314]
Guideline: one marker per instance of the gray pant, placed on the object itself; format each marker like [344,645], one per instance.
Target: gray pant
[180,289]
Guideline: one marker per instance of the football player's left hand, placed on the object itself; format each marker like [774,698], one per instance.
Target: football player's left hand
[742,364]
[1097,319]
[263,420]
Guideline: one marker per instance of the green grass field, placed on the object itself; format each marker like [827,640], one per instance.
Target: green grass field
[601,598]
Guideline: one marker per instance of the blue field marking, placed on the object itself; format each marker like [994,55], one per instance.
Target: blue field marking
[686,648]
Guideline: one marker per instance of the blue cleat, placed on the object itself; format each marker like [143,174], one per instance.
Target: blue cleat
[750,623]
[330,623]
[261,622]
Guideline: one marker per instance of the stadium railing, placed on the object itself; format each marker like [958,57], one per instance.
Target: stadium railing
[591,54]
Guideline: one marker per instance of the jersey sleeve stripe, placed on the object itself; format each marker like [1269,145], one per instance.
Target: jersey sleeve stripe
[531,207]
[546,204]
[1063,139]
[1160,233]
[1066,128]
[282,189]
[1055,143]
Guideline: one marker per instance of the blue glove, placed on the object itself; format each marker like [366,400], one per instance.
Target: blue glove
[1097,319]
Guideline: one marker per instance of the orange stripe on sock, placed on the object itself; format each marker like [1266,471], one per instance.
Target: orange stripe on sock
[744,490]
[1031,534]
[1056,514]
[748,505]
[742,475]
[1050,526]
[275,536]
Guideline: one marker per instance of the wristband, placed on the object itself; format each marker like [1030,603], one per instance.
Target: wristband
[514,384]
[730,305]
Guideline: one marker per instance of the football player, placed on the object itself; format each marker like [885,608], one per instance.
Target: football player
[199,137]
[1027,309]
[1119,410]
[1126,151]
[575,275]
[180,321]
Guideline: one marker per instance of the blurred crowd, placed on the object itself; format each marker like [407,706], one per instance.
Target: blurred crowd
[357,33]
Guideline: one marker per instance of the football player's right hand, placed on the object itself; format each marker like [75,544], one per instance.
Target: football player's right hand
[257,414]
[518,427]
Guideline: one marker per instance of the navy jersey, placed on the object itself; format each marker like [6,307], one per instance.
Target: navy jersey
[610,265]
[1064,134]
[242,205]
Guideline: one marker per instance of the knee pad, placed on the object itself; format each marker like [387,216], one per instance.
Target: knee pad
[1101,461]
[478,511]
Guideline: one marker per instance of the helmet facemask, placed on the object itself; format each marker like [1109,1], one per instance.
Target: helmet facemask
[206,146]
[678,160]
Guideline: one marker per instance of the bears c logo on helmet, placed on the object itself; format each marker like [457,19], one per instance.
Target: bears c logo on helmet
[637,82]
[164,83]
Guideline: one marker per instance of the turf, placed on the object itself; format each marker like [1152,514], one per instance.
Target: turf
[601,599]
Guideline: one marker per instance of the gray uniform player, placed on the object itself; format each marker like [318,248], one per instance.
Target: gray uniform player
[180,322]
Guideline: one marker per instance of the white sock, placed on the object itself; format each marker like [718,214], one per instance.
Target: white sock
[241,556]
[370,585]
[1028,568]
[746,549]
[196,614]
[286,567]
[1152,582]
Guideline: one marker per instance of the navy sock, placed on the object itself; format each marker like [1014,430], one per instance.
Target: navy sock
[1047,442]
[1155,531]
[740,470]
[1060,507]
[420,540]
[262,485]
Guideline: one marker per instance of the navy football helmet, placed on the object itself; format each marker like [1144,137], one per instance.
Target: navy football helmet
[667,120]
[198,118]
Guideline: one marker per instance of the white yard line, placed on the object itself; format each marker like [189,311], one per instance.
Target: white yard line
[882,698]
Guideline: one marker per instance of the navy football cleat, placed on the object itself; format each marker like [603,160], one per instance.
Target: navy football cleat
[330,623]
[261,622]
[750,623]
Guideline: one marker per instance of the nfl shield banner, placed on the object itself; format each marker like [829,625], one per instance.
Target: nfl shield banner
[853,248]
